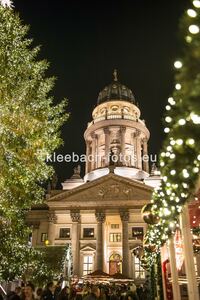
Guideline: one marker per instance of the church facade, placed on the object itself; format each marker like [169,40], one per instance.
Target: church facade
[100,214]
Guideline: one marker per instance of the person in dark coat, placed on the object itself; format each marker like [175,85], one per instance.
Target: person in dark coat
[64,294]
[48,293]
[94,295]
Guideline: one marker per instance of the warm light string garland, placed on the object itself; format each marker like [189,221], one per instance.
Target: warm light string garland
[180,156]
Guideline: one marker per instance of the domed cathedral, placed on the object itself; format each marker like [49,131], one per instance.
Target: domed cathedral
[116,128]
[99,215]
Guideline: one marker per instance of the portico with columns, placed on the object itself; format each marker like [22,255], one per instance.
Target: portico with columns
[100,215]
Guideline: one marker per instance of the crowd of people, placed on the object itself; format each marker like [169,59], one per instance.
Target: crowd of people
[85,291]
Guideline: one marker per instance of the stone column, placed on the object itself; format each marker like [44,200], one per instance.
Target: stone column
[87,164]
[174,271]
[35,227]
[75,216]
[145,156]
[138,150]
[107,144]
[93,162]
[123,131]
[192,286]
[100,217]
[52,218]
[97,151]
[124,215]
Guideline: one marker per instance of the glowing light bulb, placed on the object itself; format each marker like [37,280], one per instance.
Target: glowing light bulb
[195,118]
[194,29]
[168,107]
[166,212]
[198,157]
[169,148]
[196,3]
[177,200]
[178,86]
[191,13]
[195,169]
[188,39]
[168,119]
[172,156]
[171,225]
[181,122]
[162,163]
[173,172]
[165,178]
[166,130]
[185,185]
[172,142]
[171,101]
[179,142]
[185,173]
[178,64]
[190,141]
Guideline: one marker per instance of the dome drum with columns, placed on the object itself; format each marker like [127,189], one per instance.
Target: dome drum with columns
[116,127]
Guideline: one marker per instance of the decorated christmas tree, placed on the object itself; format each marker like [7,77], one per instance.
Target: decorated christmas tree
[180,156]
[29,131]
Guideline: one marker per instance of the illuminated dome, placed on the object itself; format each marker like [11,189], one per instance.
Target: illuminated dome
[115,91]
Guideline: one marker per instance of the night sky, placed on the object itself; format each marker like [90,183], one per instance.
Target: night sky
[85,40]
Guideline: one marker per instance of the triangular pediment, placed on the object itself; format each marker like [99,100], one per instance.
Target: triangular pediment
[88,248]
[110,188]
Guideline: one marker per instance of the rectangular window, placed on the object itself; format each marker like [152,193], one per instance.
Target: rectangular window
[87,264]
[88,232]
[115,226]
[137,233]
[139,271]
[44,237]
[64,233]
[115,237]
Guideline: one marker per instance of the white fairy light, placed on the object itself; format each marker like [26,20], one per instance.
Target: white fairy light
[181,122]
[188,39]
[191,13]
[172,142]
[171,101]
[196,3]
[191,141]
[179,142]
[178,64]
[6,3]
[167,130]
[178,86]
[166,212]
[194,29]
[185,173]
[173,172]
[196,170]
[168,107]
[195,118]
[168,119]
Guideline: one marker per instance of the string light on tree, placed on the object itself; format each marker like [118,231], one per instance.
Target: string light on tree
[178,64]
[182,122]
[178,86]
[6,3]
[191,13]
[196,3]
[194,29]
[171,101]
